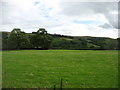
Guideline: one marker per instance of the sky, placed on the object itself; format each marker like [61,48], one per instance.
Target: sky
[68,17]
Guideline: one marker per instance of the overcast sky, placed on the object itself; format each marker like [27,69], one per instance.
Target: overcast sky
[68,17]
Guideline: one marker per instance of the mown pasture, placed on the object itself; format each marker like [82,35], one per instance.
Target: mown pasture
[44,68]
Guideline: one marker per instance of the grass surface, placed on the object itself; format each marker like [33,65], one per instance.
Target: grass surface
[43,68]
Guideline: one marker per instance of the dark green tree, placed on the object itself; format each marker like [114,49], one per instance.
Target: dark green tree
[4,38]
[111,44]
[18,39]
[41,39]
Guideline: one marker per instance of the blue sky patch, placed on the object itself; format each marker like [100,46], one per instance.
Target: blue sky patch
[36,3]
[50,18]
[87,22]
[46,16]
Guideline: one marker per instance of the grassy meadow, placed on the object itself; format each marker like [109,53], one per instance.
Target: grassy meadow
[44,68]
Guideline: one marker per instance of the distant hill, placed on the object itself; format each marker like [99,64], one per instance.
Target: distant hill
[72,42]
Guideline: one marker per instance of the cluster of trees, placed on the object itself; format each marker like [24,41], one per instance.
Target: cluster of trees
[17,39]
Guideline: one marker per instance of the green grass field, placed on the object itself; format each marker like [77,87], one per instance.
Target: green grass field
[77,68]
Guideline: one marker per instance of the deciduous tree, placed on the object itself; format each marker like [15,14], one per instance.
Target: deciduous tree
[18,39]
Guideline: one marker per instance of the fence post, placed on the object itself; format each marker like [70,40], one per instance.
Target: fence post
[54,85]
[61,84]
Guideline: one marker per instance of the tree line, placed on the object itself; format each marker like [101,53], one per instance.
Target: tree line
[17,39]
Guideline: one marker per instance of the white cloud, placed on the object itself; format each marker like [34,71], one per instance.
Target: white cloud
[83,30]
[57,16]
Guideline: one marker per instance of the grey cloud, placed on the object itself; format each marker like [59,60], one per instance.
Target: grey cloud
[91,8]
[106,25]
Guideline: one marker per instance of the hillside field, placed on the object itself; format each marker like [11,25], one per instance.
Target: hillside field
[44,68]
